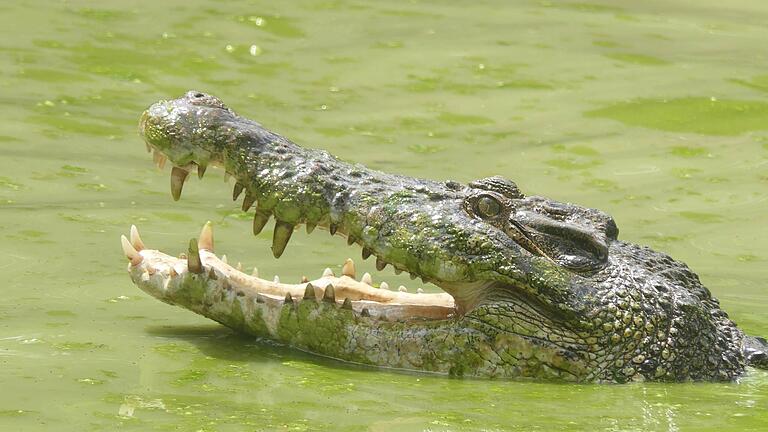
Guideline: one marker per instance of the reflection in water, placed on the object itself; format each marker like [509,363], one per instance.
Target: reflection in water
[659,415]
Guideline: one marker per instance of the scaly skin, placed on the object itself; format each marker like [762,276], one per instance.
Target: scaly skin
[538,288]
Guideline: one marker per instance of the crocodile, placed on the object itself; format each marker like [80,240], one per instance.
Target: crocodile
[532,288]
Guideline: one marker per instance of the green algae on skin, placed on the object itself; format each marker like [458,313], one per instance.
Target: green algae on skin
[702,115]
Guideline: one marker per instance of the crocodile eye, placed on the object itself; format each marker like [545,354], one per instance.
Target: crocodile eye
[487,207]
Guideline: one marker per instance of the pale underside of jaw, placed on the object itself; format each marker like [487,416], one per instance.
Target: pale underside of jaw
[155,272]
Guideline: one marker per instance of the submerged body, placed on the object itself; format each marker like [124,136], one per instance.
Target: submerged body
[533,287]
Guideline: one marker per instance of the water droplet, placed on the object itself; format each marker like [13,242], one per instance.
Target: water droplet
[259,21]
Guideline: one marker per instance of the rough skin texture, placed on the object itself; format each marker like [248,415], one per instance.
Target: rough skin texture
[543,289]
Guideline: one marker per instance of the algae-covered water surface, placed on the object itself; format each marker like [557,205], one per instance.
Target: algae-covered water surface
[655,112]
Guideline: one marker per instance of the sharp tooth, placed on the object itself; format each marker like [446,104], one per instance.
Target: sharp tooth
[330,294]
[309,292]
[380,264]
[239,266]
[310,227]
[136,239]
[193,258]
[260,219]
[201,167]
[304,279]
[332,228]
[366,253]
[419,291]
[276,279]
[132,254]
[367,279]
[288,298]
[205,241]
[384,286]
[178,175]
[159,159]
[282,234]
[347,304]
[248,200]
[255,272]
[350,240]
[224,259]
[236,191]
[401,288]
[348,269]
[327,272]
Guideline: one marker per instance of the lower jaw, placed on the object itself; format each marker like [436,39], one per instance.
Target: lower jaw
[159,274]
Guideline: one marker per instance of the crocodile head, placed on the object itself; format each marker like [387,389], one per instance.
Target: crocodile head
[532,286]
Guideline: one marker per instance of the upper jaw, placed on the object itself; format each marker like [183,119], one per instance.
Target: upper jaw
[181,129]
[461,295]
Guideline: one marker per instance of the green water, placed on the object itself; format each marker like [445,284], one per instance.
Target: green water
[654,111]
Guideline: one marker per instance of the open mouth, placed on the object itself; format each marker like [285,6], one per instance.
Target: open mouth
[160,274]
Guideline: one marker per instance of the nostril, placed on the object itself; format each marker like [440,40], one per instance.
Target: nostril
[198,95]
